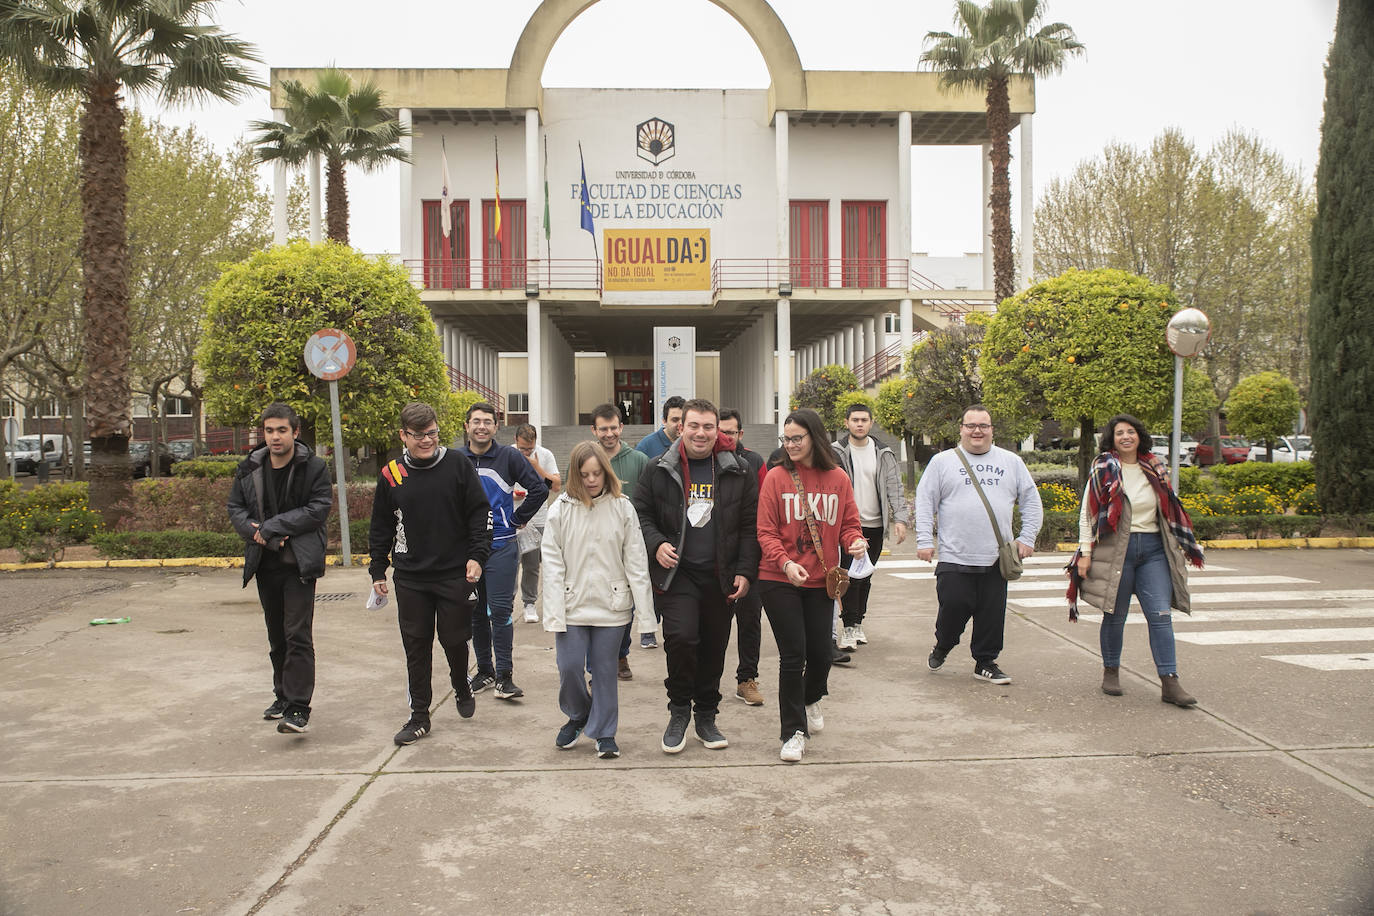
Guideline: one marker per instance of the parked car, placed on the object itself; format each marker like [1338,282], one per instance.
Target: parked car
[1287,449]
[140,462]
[57,449]
[182,449]
[1234,450]
[1186,445]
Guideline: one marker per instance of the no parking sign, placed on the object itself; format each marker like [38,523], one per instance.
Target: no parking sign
[329,355]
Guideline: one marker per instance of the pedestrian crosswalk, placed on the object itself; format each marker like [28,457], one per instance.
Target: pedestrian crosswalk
[1298,610]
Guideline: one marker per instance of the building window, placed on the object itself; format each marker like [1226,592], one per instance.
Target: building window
[446,260]
[503,265]
[810,243]
[517,403]
[49,407]
[892,323]
[7,407]
[864,239]
[176,407]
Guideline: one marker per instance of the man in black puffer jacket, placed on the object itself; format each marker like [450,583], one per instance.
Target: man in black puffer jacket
[279,504]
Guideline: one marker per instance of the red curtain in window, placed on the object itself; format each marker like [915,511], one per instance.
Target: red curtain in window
[863,234]
[445,265]
[503,266]
[810,243]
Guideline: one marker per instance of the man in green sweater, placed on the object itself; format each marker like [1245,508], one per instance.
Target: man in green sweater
[628,464]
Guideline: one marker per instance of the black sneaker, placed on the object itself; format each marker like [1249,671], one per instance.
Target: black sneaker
[607,749]
[293,722]
[937,658]
[991,673]
[569,733]
[675,735]
[837,657]
[708,734]
[481,681]
[506,689]
[467,706]
[276,710]
[412,731]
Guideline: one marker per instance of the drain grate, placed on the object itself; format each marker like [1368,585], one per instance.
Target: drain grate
[335,596]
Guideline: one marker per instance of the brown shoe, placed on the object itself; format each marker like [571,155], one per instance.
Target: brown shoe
[1172,692]
[625,673]
[748,691]
[1111,682]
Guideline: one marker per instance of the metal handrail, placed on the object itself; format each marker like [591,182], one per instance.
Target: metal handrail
[810,273]
[504,273]
[461,381]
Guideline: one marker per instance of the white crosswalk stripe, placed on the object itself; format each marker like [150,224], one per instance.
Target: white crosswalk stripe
[1301,634]
[1363,662]
[1040,586]
[1210,598]
[1248,614]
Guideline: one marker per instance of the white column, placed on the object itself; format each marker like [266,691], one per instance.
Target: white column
[784,359]
[987,219]
[279,190]
[441,329]
[534,194]
[534,351]
[763,398]
[904,190]
[848,337]
[315,203]
[908,332]
[1027,205]
[780,166]
[407,171]
[870,338]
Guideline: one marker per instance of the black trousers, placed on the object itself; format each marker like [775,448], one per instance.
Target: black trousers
[696,632]
[971,591]
[748,634]
[288,607]
[854,604]
[422,610]
[801,619]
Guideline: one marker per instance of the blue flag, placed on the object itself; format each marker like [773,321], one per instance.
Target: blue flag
[587,222]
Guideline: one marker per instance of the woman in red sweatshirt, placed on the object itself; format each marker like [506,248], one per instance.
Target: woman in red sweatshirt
[809,484]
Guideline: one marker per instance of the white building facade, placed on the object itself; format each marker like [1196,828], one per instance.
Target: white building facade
[775,224]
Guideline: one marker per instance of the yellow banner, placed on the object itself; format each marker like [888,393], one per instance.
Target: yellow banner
[657,259]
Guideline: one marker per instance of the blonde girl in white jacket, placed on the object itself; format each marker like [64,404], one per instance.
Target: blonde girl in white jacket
[594,577]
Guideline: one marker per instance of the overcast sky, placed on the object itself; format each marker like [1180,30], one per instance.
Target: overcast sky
[1204,66]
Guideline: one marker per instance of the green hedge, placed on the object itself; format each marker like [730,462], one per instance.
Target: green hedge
[128,545]
[212,466]
[1057,528]
[1060,456]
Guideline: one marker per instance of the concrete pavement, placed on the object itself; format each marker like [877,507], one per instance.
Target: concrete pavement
[136,775]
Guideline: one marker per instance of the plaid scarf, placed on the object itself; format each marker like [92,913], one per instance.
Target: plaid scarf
[1104,507]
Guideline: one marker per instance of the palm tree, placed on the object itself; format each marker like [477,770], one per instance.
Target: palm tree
[97,50]
[996,42]
[345,124]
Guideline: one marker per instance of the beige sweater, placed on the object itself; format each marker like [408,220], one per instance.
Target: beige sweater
[1135,486]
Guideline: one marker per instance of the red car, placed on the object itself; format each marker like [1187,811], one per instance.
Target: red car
[1234,450]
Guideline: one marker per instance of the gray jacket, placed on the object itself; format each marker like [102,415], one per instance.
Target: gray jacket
[1109,557]
[891,496]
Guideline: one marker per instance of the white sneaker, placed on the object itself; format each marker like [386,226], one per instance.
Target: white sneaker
[859,636]
[815,718]
[531,615]
[846,639]
[793,747]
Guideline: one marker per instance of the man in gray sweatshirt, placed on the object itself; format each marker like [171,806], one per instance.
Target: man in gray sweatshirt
[968,582]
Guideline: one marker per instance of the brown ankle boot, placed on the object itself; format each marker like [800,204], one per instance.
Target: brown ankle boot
[1172,692]
[1111,682]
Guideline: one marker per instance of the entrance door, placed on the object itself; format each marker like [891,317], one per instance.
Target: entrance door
[634,394]
[863,234]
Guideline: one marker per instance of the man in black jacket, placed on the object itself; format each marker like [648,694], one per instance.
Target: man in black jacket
[432,523]
[697,506]
[279,503]
[749,609]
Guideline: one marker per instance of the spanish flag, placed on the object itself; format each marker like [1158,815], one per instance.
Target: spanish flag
[496,224]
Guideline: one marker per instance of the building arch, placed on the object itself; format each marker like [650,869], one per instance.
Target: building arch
[759,20]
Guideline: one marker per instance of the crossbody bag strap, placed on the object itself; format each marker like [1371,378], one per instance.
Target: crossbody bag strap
[806,514]
[996,530]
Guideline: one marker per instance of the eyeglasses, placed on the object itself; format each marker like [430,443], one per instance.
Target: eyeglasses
[793,440]
[977,427]
[481,422]
[421,437]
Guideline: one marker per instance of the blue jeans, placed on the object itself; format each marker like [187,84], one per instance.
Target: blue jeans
[580,651]
[491,616]
[1146,575]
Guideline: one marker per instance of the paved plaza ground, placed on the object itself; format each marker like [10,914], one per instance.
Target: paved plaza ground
[136,775]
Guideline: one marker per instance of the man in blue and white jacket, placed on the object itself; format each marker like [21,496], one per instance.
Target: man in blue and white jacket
[500,468]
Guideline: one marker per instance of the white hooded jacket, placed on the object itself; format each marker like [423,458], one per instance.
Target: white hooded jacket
[595,570]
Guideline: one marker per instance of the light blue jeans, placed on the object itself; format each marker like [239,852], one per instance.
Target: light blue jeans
[491,616]
[1145,574]
[590,650]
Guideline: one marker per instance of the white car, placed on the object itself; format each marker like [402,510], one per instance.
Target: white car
[1287,449]
[1186,447]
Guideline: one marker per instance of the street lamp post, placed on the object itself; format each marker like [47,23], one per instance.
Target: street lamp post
[1187,334]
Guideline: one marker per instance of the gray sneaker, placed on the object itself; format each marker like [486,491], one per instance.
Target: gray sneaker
[675,735]
[708,734]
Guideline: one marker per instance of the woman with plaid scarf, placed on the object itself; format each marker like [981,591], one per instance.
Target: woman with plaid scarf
[1134,537]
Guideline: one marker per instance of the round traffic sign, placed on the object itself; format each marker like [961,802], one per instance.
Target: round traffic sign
[330,354]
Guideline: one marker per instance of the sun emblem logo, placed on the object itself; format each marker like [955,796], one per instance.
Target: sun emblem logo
[654,141]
